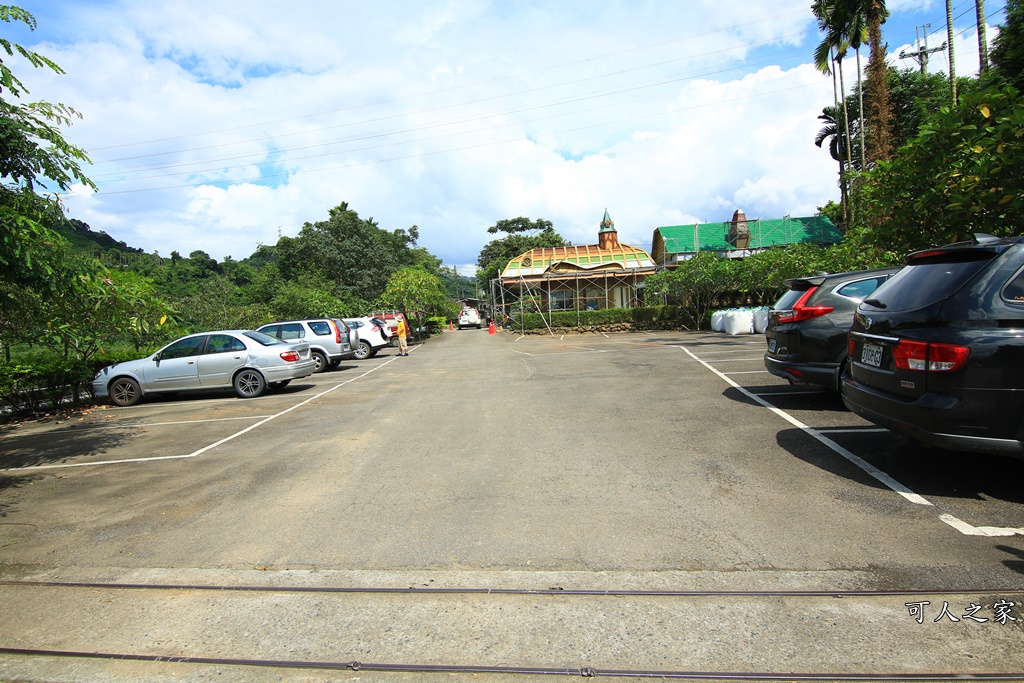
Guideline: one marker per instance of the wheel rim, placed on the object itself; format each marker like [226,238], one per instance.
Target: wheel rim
[321,363]
[123,392]
[363,350]
[248,383]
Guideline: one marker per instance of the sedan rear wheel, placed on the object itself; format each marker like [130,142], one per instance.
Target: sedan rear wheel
[363,351]
[125,391]
[249,384]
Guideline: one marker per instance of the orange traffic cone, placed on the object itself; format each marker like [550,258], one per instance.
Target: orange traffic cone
[451,326]
[491,329]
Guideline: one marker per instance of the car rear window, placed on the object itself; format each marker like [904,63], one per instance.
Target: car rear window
[788,299]
[320,327]
[264,339]
[925,283]
[858,289]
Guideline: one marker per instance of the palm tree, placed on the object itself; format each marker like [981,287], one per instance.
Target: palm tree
[979,9]
[831,50]
[856,30]
[879,109]
[832,131]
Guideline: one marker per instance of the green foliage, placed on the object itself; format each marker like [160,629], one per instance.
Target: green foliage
[959,175]
[647,318]
[1007,55]
[93,305]
[42,380]
[33,154]
[497,253]
[309,299]
[218,304]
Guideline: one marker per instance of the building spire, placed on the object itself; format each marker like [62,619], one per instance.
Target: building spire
[607,236]
[607,224]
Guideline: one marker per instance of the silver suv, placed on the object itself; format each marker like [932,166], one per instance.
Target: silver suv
[328,339]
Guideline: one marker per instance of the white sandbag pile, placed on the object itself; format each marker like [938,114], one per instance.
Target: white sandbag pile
[735,321]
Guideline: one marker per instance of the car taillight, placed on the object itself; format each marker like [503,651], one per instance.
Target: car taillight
[803,312]
[337,331]
[290,356]
[910,354]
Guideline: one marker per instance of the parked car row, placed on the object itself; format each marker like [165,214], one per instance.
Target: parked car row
[249,361]
[934,350]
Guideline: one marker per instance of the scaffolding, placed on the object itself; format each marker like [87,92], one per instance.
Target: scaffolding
[566,292]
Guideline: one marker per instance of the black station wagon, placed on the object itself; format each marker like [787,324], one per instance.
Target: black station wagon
[808,326]
[938,351]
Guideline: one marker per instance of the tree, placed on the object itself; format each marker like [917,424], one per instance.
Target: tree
[832,48]
[353,254]
[959,175]
[33,156]
[1007,55]
[418,294]
[878,114]
[90,306]
[695,284]
[497,253]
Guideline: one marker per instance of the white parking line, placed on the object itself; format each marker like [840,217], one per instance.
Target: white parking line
[708,353]
[746,372]
[199,452]
[965,528]
[810,431]
[115,425]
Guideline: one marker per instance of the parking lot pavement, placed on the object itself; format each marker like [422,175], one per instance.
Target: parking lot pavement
[600,467]
[973,494]
[163,427]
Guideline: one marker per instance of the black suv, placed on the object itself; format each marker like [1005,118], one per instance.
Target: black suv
[938,351]
[807,327]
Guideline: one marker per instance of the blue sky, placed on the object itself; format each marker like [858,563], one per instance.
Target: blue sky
[218,125]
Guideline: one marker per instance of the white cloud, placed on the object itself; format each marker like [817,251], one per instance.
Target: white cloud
[211,127]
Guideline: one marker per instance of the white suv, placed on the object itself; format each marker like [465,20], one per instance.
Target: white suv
[371,338]
[470,317]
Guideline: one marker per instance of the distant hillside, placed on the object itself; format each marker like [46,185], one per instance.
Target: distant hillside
[83,238]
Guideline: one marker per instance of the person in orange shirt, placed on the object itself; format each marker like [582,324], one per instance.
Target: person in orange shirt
[403,347]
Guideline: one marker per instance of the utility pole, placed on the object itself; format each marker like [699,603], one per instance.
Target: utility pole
[921,55]
[949,41]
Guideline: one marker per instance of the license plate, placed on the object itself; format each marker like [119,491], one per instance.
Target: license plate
[772,343]
[871,354]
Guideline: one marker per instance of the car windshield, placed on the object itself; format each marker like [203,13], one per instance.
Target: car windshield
[920,285]
[264,339]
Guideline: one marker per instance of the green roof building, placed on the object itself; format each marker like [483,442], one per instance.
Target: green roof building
[739,237]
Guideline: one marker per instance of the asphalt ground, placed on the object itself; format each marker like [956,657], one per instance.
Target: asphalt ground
[618,505]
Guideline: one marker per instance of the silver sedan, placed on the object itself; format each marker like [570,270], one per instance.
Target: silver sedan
[244,360]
